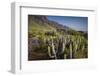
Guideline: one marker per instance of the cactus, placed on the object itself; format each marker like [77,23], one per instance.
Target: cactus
[65,56]
[49,52]
[53,50]
[70,51]
[76,46]
[83,47]
[53,47]
[63,45]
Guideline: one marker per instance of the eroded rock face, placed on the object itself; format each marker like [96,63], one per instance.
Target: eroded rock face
[38,18]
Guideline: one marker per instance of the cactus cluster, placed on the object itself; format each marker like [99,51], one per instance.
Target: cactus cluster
[61,46]
[67,47]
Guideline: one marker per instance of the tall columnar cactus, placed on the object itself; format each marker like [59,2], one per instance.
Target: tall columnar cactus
[75,46]
[51,55]
[70,51]
[63,45]
[64,49]
[83,47]
[65,56]
[53,47]
[51,50]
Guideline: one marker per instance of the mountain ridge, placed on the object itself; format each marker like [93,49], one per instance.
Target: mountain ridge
[44,20]
[39,23]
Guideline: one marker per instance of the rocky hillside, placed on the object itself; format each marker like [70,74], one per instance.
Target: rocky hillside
[42,22]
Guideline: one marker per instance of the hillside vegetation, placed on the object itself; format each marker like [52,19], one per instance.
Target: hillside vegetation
[50,40]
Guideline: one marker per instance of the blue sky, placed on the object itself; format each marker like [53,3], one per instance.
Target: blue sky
[76,23]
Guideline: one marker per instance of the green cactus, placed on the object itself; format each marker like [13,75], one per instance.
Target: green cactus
[49,52]
[65,56]
[53,47]
[63,45]
[70,51]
